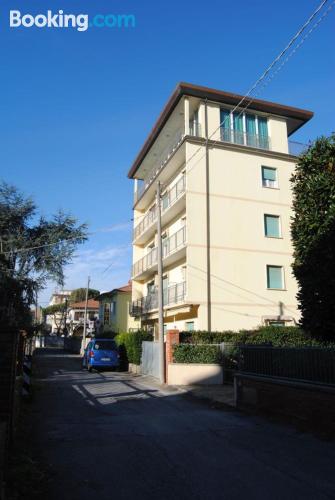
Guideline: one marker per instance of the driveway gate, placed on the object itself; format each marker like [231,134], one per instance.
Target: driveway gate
[150,359]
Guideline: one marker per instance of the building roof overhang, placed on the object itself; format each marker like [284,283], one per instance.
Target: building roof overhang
[296,116]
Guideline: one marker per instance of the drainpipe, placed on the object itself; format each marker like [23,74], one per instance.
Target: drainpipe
[208,229]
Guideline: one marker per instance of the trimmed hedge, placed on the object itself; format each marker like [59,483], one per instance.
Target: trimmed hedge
[130,345]
[286,336]
[191,353]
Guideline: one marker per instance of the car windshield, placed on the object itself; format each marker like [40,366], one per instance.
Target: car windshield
[106,345]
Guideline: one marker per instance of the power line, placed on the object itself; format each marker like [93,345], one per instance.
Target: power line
[268,70]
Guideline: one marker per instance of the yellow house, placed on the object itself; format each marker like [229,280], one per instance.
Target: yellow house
[114,310]
[225,203]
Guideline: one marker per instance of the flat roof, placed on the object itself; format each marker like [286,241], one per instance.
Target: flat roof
[301,116]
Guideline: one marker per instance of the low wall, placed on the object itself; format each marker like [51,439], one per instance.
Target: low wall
[132,368]
[310,405]
[194,374]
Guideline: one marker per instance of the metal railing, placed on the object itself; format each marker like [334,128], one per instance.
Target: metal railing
[296,148]
[307,364]
[169,245]
[195,129]
[168,199]
[146,222]
[245,139]
[173,294]
[146,262]
[174,243]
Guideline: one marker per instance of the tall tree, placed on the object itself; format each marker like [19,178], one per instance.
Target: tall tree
[33,250]
[313,234]
[79,294]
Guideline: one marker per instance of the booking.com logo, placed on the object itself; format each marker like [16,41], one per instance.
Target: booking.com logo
[81,22]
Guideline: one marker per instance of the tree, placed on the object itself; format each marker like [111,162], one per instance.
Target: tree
[58,312]
[313,234]
[33,250]
[79,294]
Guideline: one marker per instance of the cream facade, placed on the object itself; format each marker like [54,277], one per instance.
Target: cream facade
[226,208]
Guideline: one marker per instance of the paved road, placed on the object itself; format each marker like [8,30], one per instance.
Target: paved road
[114,435]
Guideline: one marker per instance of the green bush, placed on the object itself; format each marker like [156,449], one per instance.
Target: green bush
[190,353]
[285,336]
[130,345]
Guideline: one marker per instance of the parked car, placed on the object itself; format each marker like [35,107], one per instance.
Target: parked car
[101,353]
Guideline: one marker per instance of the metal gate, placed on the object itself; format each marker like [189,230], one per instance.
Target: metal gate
[150,359]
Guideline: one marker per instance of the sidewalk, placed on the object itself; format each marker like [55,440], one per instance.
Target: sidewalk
[218,395]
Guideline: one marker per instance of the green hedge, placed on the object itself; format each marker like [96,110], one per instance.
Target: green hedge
[191,353]
[286,336]
[130,345]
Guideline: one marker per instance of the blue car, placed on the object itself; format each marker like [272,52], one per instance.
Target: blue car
[101,353]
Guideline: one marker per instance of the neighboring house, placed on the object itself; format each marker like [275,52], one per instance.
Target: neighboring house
[76,314]
[226,207]
[56,320]
[114,310]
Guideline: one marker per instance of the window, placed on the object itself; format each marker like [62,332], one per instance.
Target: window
[272,226]
[263,133]
[165,200]
[106,313]
[113,308]
[225,125]
[189,325]
[244,128]
[238,128]
[276,323]
[269,177]
[275,277]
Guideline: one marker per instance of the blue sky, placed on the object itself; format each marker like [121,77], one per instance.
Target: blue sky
[76,106]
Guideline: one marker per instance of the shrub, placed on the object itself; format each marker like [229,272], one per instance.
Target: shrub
[203,337]
[130,345]
[188,353]
[286,336]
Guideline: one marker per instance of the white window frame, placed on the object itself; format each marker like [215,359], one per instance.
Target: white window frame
[280,236]
[276,185]
[231,118]
[282,276]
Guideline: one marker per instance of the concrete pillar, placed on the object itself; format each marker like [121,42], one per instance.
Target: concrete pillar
[187,115]
[172,338]
[201,115]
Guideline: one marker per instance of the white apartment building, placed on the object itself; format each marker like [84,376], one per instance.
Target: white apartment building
[226,208]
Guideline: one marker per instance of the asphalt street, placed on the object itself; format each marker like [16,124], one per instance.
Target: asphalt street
[115,435]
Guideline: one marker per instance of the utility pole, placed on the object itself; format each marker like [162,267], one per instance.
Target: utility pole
[85,316]
[160,288]
[208,228]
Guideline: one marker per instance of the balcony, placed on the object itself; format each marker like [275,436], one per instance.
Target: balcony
[172,295]
[165,156]
[145,229]
[173,249]
[245,139]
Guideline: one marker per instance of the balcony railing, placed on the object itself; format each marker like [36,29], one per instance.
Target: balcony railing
[174,243]
[195,129]
[174,294]
[252,140]
[296,148]
[146,222]
[168,199]
[169,246]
